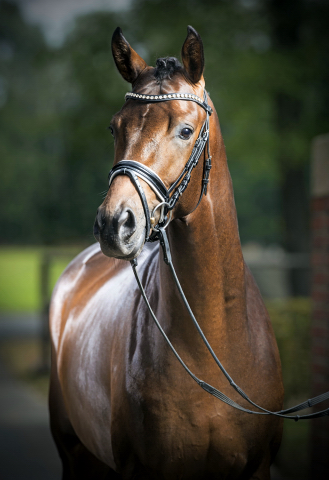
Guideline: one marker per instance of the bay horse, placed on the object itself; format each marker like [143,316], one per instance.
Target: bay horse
[121,405]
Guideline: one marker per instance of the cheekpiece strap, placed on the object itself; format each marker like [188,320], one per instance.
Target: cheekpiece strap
[169,96]
[133,177]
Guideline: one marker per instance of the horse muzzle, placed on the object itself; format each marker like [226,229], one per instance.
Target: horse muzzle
[120,235]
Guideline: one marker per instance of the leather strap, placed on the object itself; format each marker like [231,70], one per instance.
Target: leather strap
[141,193]
[145,173]
[169,96]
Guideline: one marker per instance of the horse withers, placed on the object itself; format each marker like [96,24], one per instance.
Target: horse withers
[121,405]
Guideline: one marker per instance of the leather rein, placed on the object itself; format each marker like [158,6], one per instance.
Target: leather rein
[169,198]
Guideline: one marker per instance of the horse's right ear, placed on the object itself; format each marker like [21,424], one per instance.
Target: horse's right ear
[128,62]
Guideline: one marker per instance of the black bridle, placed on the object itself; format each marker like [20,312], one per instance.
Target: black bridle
[169,198]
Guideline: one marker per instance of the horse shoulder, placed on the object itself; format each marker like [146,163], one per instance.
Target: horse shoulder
[79,282]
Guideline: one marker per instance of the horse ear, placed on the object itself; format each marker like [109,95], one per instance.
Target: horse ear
[192,55]
[128,62]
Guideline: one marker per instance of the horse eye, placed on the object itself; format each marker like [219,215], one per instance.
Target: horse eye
[186,133]
[111,130]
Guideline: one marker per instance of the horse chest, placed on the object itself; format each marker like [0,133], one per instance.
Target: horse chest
[174,432]
[147,425]
[172,448]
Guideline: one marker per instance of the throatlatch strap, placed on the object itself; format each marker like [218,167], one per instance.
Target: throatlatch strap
[208,388]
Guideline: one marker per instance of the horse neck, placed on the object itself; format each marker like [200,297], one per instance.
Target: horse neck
[207,256]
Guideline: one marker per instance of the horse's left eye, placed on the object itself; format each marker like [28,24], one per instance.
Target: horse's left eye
[185,133]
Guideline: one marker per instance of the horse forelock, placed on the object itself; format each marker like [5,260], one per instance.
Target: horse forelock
[166,67]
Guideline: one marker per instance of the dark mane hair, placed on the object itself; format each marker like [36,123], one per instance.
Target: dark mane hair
[166,67]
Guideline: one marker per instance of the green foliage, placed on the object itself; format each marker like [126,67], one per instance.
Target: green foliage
[55,151]
[88,154]
[291,322]
[28,160]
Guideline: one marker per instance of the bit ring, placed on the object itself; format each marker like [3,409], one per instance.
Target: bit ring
[161,204]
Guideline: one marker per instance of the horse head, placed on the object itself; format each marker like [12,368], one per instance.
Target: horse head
[157,135]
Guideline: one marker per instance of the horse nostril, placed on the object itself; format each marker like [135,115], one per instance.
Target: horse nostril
[126,224]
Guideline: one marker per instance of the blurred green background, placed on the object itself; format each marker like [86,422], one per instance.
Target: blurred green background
[267,72]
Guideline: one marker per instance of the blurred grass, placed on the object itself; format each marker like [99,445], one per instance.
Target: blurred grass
[20,275]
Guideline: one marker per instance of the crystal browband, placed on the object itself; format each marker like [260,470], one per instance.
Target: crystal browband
[169,96]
